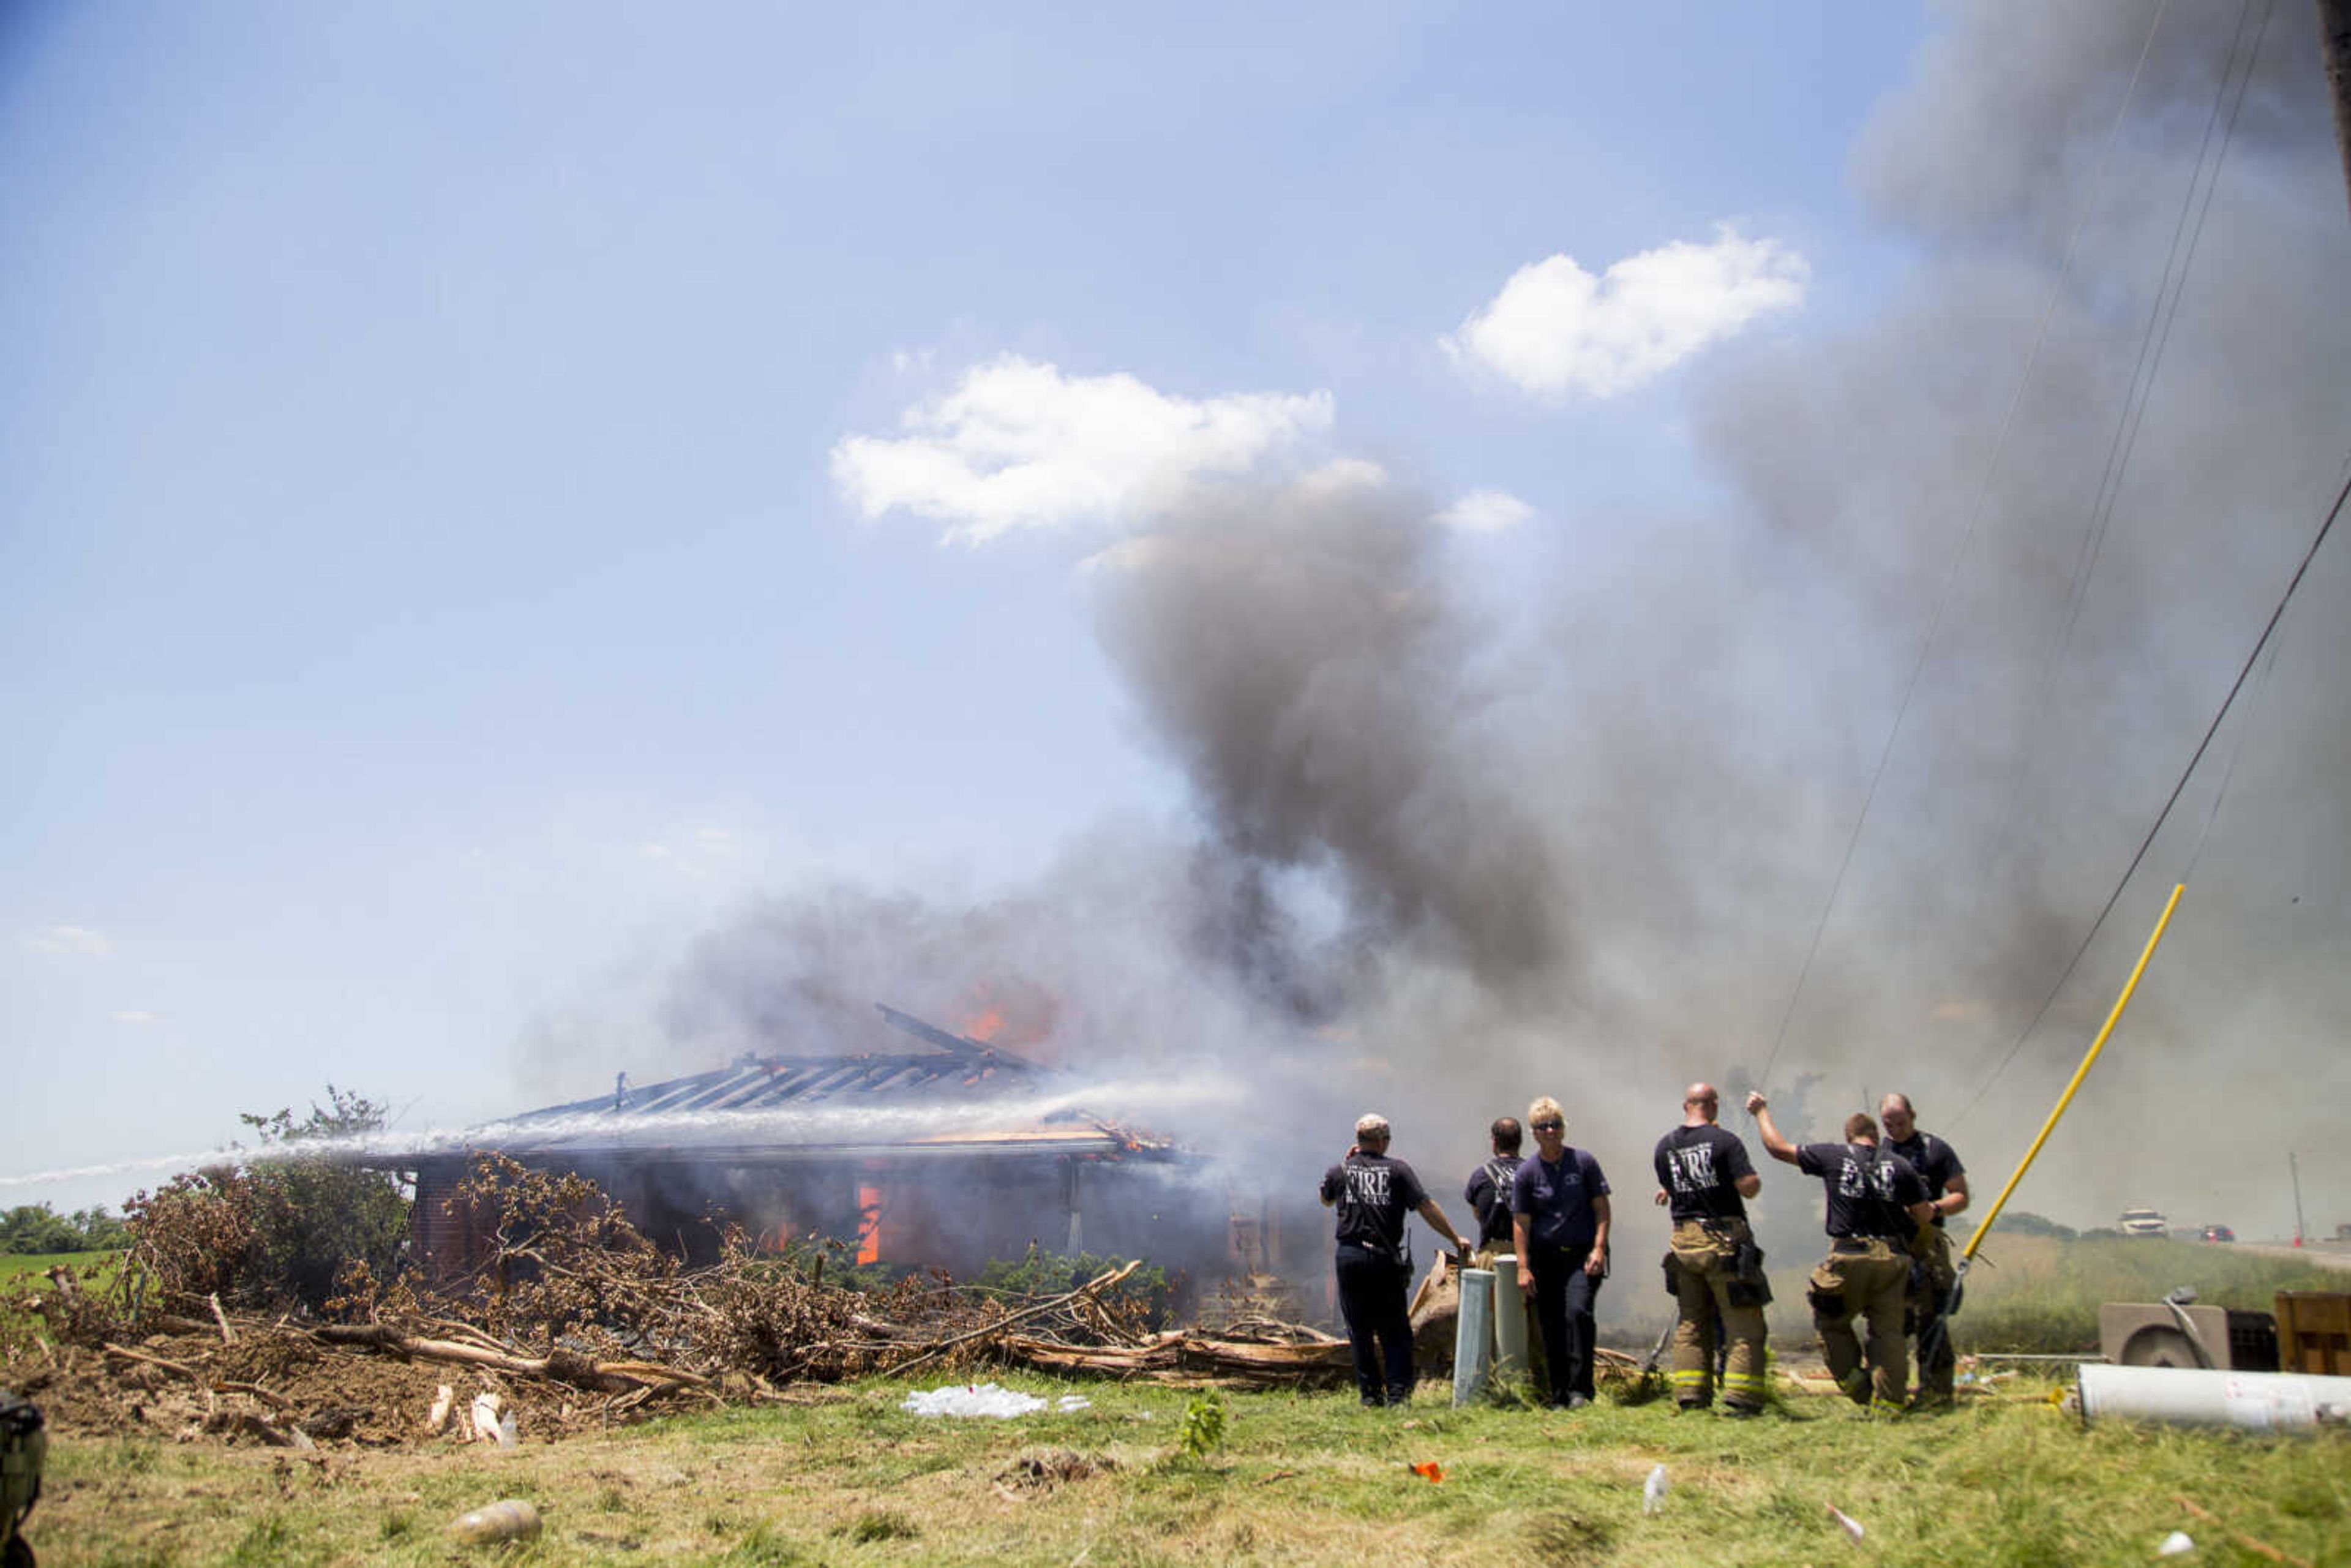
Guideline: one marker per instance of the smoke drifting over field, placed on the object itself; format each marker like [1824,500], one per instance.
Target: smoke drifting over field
[1440,868]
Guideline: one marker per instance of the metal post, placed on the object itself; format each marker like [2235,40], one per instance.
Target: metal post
[2334,53]
[2296,1171]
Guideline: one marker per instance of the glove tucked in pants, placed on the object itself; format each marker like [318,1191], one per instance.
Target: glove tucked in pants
[1864,1277]
[1706,1257]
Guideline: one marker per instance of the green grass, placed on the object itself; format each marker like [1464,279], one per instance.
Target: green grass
[2041,1294]
[2038,1294]
[1297,1478]
[22,1275]
[13,1264]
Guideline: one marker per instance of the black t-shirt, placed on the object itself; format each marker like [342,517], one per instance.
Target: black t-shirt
[1869,1190]
[1699,1168]
[1373,1194]
[1935,1161]
[1488,1195]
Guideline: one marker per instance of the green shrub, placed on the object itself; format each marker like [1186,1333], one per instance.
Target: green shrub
[1203,1432]
[279,1228]
[1142,1298]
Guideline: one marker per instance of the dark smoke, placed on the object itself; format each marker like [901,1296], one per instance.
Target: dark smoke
[1416,885]
[1301,656]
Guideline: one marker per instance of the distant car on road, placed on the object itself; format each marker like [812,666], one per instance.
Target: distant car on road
[2218,1233]
[2144,1222]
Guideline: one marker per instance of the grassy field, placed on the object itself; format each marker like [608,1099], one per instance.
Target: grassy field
[1298,1479]
[2040,1293]
[13,1265]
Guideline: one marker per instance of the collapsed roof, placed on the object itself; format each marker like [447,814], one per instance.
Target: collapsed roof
[964,1098]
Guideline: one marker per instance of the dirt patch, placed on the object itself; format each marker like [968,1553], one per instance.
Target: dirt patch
[334,1398]
[1040,1472]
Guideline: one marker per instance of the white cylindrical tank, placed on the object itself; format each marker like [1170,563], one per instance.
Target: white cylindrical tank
[1509,1320]
[2190,1396]
[1473,1335]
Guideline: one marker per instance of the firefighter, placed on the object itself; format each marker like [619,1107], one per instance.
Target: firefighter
[1932,1273]
[1559,1222]
[1488,1192]
[1875,1202]
[1373,1194]
[1715,1267]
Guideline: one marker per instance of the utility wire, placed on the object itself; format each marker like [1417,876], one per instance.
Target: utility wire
[2138,393]
[2228,774]
[2119,461]
[2173,799]
[1952,572]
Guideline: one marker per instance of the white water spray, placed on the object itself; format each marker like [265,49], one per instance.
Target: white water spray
[898,1124]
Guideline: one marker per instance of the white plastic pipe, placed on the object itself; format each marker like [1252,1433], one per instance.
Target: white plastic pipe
[1473,1335]
[1509,1320]
[2190,1396]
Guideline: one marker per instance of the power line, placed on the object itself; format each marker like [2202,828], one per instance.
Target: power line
[1950,574]
[2147,843]
[2154,338]
[2118,460]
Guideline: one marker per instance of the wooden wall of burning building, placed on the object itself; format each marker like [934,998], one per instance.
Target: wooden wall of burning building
[941,1158]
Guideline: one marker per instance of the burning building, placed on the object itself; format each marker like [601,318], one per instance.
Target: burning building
[944,1156]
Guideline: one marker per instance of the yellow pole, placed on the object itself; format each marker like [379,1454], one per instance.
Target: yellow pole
[2079,1073]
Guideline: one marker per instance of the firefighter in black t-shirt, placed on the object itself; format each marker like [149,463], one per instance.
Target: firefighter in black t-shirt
[1932,1279]
[1875,1202]
[1488,1192]
[1704,1174]
[1373,1194]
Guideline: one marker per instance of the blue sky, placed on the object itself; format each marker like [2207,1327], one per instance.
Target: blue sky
[430,589]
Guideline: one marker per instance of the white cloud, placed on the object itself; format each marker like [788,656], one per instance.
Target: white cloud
[132,1016]
[1486,512]
[1341,475]
[72,941]
[1019,446]
[1555,330]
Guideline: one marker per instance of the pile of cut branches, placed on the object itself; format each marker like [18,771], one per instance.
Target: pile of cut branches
[572,1301]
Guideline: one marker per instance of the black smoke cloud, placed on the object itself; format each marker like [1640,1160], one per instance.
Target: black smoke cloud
[1301,654]
[1437,869]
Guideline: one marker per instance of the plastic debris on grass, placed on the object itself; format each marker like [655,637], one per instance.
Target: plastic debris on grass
[2178,1543]
[986,1399]
[1653,1492]
[1847,1523]
[508,1519]
[1429,1470]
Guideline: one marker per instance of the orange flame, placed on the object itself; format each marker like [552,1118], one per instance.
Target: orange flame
[869,1225]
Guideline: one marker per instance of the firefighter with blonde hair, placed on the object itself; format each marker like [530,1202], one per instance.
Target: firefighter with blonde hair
[1559,1222]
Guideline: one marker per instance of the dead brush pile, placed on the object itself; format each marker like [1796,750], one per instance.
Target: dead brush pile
[572,1320]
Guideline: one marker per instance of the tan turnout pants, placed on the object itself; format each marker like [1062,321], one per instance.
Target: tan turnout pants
[1938,1364]
[1707,1261]
[1863,1278]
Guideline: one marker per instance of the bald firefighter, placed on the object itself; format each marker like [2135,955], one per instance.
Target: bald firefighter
[1704,1176]
[1875,1202]
[1933,1273]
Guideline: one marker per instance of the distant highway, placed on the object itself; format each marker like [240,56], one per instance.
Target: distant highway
[2325,1254]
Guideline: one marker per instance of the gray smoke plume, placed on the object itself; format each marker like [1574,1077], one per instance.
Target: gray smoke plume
[1301,654]
[1438,871]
